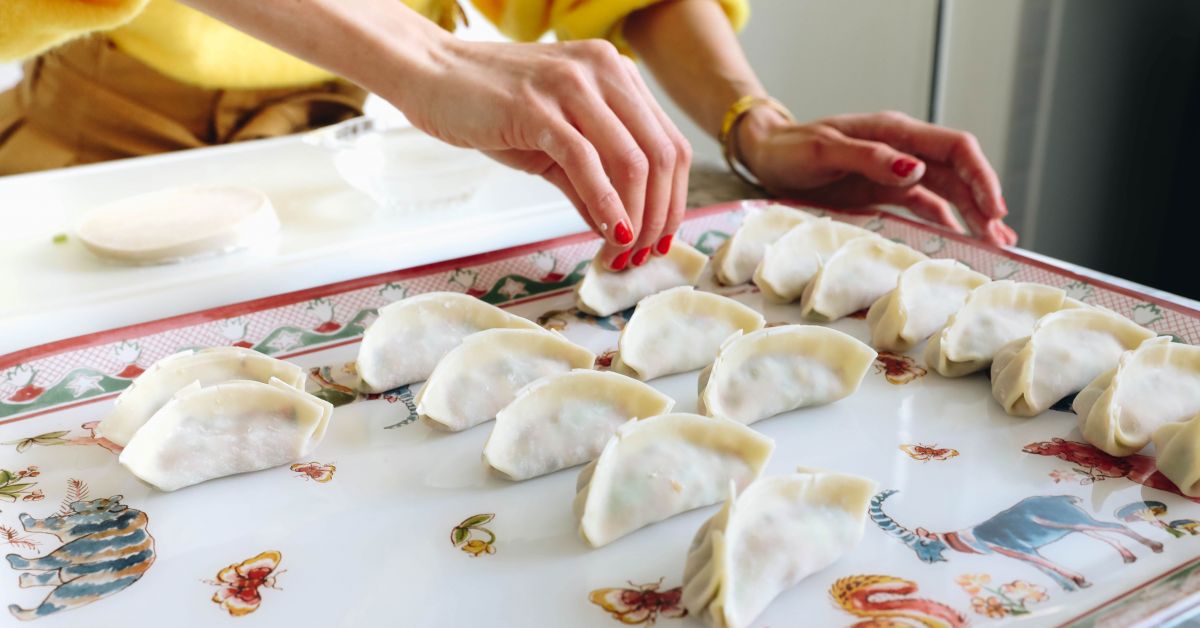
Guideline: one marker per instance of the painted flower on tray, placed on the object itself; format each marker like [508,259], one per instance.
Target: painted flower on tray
[233,330]
[20,380]
[314,471]
[933,244]
[1003,269]
[898,369]
[1012,598]
[1146,314]
[464,537]
[81,384]
[240,584]
[323,312]
[392,292]
[641,604]
[973,583]
[1079,290]
[1021,590]
[511,288]
[1064,475]
[16,485]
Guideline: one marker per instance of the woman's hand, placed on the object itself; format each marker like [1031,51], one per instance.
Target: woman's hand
[882,158]
[577,114]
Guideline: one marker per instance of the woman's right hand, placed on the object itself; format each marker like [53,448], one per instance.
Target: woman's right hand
[577,114]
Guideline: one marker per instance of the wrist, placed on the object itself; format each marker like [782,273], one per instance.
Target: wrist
[408,56]
[753,131]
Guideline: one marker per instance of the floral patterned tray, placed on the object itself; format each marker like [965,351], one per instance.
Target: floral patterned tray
[391,523]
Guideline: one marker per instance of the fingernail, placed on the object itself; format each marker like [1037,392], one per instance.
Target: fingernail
[622,233]
[664,244]
[903,167]
[621,261]
[641,256]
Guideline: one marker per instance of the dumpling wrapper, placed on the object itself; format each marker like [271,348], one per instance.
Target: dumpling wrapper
[1067,350]
[656,468]
[484,373]
[779,531]
[177,224]
[1178,449]
[155,387]
[777,369]
[564,420]
[734,262]
[994,315]
[602,292]
[679,330]
[926,295]
[855,276]
[1155,384]
[232,427]
[790,263]
[412,335]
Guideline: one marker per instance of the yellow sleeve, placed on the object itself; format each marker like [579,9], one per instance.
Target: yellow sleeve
[528,20]
[29,27]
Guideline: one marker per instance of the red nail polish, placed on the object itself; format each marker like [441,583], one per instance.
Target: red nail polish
[664,244]
[622,233]
[903,167]
[641,256]
[621,261]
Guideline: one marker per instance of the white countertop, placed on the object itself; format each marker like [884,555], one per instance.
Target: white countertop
[330,233]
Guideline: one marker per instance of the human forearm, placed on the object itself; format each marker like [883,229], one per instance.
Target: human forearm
[712,74]
[380,44]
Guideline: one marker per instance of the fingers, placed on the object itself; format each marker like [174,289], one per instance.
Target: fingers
[874,160]
[555,175]
[957,148]
[581,165]
[921,201]
[663,214]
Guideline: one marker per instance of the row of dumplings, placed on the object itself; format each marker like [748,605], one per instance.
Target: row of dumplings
[645,464]
[1040,345]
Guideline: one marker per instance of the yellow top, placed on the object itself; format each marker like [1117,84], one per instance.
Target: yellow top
[194,48]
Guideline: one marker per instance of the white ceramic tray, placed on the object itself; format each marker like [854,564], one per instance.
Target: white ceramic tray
[391,523]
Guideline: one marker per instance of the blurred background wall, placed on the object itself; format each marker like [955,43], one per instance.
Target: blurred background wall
[1088,109]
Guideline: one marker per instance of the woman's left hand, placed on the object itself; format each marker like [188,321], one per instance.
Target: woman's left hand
[882,158]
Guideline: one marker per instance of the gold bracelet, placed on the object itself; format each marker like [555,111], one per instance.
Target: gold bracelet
[729,125]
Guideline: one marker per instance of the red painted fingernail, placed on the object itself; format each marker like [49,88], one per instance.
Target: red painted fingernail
[903,167]
[621,261]
[622,233]
[664,244]
[641,256]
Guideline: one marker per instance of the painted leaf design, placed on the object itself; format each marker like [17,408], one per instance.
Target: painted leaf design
[458,536]
[477,520]
[5,476]
[15,489]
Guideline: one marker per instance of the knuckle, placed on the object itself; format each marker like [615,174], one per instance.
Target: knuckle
[633,164]
[665,155]
[891,115]
[683,152]
[608,206]
[598,50]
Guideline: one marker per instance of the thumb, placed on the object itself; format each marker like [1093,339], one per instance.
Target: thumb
[876,161]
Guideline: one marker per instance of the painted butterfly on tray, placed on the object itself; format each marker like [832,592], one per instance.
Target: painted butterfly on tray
[642,604]
[925,453]
[240,583]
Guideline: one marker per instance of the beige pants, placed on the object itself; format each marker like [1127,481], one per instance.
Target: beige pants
[87,101]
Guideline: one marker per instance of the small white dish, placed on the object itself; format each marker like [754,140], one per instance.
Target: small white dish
[400,167]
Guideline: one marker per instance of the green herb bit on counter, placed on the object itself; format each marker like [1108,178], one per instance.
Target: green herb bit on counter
[59,238]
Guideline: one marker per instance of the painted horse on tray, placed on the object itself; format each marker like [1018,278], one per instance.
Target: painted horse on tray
[106,547]
[1018,532]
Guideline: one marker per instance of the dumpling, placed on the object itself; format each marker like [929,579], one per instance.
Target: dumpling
[679,330]
[411,335]
[1155,384]
[926,295]
[736,260]
[778,369]
[602,292]
[779,531]
[1067,350]
[658,467]
[153,388]
[794,259]
[565,419]
[207,432]
[1178,449]
[857,274]
[994,315]
[483,374]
